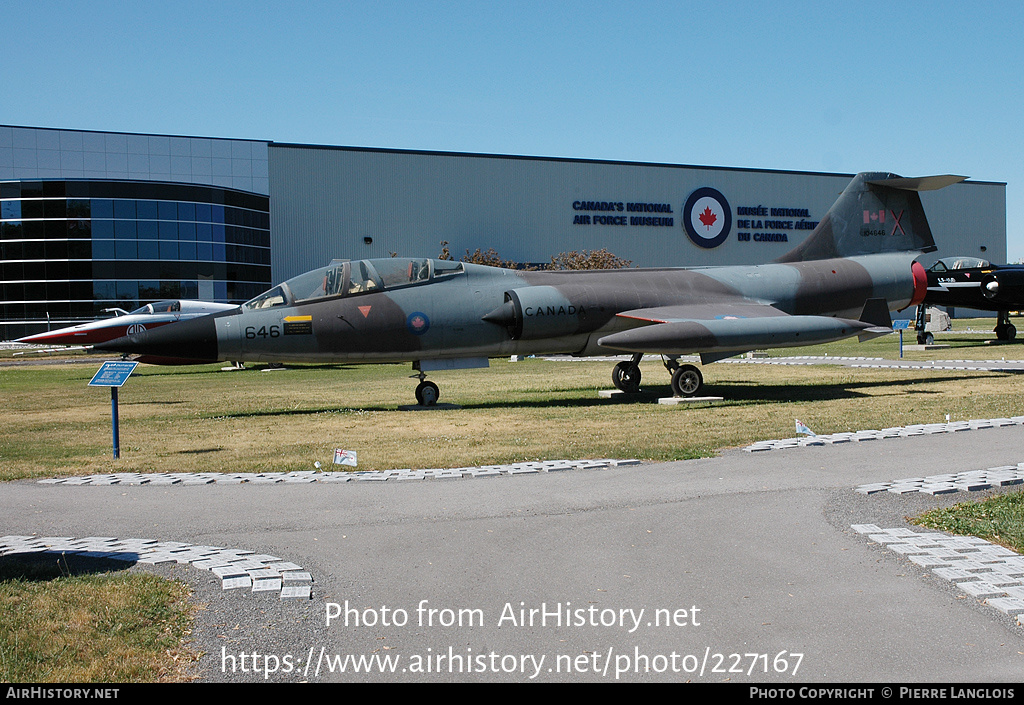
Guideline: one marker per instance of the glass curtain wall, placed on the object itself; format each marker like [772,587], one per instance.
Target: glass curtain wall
[69,249]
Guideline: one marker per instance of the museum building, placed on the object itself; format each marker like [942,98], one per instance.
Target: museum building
[96,220]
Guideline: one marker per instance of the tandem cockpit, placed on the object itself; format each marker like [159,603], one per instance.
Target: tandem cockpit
[342,278]
[177,306]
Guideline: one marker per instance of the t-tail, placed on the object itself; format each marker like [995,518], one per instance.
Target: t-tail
[877,212]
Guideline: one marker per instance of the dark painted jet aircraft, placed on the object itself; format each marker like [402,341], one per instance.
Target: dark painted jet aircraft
[975,283]
[842,281]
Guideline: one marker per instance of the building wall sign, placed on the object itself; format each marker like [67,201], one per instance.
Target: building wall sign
[659,215]
[706,218]
[774,223]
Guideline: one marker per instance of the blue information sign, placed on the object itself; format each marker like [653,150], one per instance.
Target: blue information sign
[902,324]
[113,374]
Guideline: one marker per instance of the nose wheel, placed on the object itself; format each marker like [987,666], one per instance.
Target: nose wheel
[427,393]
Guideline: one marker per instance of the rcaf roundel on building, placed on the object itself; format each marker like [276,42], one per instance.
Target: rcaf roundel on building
[707,217]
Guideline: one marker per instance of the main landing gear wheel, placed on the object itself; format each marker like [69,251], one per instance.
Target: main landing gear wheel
[427,393]
[1006,332]
[686,381]
[626,377]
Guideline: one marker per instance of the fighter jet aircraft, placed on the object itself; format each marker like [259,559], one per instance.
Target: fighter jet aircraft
[976,283]
[146,317]
[842,281]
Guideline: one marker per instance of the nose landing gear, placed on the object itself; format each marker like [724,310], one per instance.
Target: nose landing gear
[427,393]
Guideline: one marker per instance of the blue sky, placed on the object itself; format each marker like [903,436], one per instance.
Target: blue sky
[911,87]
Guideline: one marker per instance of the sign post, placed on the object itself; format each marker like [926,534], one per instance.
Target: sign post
[113,374]
[901,325]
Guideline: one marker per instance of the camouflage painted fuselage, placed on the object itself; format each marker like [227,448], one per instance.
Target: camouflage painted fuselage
[480,311]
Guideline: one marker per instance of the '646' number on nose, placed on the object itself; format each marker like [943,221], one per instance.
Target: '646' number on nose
[263,332]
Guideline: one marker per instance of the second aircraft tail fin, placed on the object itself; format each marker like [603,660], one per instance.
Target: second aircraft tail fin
[877,212]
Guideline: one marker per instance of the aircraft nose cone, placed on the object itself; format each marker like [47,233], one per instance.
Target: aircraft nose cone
[195,339]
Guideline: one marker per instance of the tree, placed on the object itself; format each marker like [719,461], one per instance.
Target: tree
[490,258]
[586,259]
[592,259]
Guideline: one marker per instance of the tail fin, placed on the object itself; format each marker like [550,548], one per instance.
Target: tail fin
[878,212]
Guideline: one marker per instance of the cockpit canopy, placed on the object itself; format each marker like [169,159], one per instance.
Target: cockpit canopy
[343,278]
[183,306]
[948,263]
[159,307]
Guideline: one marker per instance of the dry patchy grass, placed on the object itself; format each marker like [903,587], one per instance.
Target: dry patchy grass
[62,623]
[200,419]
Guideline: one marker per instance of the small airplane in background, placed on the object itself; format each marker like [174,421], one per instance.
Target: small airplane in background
[975,283]
[148,317]
[440,314]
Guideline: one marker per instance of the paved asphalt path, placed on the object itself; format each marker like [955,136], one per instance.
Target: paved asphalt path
[748,553]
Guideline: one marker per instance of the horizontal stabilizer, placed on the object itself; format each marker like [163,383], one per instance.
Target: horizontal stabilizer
[920,183]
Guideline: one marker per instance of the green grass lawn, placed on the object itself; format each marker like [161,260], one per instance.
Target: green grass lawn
[61,623]
[998,519]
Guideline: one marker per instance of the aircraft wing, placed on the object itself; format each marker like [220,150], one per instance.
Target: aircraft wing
[702,312]
[730,328]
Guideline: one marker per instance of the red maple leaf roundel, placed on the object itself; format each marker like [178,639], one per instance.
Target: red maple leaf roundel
[707,217]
